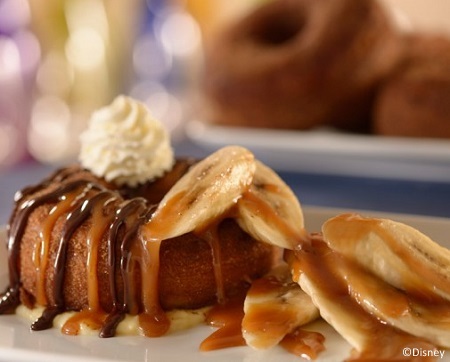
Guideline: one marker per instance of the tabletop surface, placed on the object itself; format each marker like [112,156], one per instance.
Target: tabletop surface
[315,189]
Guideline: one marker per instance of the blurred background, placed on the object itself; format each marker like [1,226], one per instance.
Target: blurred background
[61,60]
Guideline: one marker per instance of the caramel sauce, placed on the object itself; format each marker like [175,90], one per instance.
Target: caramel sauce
[161,224]
[161,227]
[137,249]
[422,270]
[302,343]
[393,302]
[273,321]
[227,317]
[82,200]
[40,255]
[130,266]
[100,223]
[266,211]
[126,218]
[382,342]
[92,319]
[212,237]
[269,320]
[16,226]
[153,322]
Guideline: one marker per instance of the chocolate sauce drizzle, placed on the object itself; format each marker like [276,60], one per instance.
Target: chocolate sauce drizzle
[115,222]
[135,212]
[74,220]
[127,218]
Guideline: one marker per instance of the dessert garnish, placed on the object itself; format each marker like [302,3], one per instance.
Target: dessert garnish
[125,144]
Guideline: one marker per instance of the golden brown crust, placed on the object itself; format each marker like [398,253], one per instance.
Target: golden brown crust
[186,262]
[415,101]
[186,273]
[299,64]
[154,191]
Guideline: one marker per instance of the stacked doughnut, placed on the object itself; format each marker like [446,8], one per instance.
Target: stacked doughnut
[300,64]
[415,101]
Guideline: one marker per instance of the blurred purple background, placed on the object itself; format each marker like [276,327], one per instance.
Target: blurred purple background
[61,61]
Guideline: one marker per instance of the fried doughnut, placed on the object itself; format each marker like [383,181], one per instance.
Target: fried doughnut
[297,64]
[75,246]
[415,101]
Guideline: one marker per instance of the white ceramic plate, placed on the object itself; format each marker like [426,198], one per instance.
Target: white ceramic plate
[18,343]
[332,152]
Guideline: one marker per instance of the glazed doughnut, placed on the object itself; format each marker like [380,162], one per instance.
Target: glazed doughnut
[297,64]
[71,234]
[415,101]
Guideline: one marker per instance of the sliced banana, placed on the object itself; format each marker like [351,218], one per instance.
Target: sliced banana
[270,211]
[312,268]
[352,327]
[337,289]
[397,253]
[205,192]
[275,306]
[430,321]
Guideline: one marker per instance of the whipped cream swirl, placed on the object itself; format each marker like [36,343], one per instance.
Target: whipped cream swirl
[125,144]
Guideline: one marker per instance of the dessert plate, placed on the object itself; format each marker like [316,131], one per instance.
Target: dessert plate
[18,343]
[332,152]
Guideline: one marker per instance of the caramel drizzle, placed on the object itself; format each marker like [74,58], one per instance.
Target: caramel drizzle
[126,218]
[153,322]
[227,317]
[91,207]
[130,254]
[268,317]
[120,228]
[140,253]
[71,198]
[212,237]
[16,229]
[77,215]
[40,254]
[383,342]
[137,254]
[96,232]
[422,269]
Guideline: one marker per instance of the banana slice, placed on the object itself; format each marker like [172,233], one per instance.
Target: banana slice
[275,306]
[270,211]
[371,339]
[204,193]
[397,253]
[312,268]
[352,327]
[343,292]
[430,321]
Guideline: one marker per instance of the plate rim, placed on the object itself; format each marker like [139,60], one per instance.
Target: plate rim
[332,152]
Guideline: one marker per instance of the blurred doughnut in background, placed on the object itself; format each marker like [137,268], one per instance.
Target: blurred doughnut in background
[415,100]
[300,64]
[255,77]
